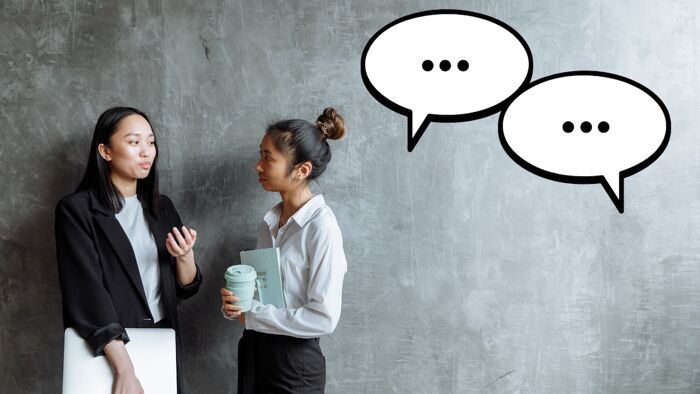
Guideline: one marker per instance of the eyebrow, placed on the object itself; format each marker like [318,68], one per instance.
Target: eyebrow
[138,135]
[265,150]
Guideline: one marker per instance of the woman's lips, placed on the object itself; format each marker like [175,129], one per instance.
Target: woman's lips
[145,166]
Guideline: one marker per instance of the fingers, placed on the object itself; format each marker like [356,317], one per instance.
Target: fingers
[228,296]
[188,237]
[180,240]
[172,244]
[232,310]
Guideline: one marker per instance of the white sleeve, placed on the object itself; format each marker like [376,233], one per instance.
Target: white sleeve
[327,267]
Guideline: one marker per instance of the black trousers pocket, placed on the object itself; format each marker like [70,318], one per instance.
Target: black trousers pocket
[280,364]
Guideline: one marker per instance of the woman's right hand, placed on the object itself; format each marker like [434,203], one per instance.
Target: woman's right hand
[230,310]
[126,383]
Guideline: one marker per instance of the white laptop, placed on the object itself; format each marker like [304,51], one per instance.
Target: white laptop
[152,351]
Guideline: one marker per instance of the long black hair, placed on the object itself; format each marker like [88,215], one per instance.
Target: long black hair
[97,174]
[303,141]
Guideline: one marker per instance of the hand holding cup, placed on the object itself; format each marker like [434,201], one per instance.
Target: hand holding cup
[227,306]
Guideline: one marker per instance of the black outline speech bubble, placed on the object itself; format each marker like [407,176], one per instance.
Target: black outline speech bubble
[413,140]
[619,202]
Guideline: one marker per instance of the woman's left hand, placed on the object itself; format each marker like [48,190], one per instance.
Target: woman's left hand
[180,244]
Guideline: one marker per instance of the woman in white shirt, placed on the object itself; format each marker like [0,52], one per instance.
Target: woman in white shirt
[279,350]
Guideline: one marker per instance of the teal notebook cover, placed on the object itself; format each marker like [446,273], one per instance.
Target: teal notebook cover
[267,265]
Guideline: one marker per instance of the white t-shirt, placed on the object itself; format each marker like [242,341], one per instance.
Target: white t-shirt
[133,221]
[313,266]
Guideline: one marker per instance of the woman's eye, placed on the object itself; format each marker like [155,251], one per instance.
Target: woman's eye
[133,142]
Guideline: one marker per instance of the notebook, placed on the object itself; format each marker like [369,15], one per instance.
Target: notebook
[152,351]
[267,265]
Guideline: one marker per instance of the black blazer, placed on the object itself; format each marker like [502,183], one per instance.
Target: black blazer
[100,281]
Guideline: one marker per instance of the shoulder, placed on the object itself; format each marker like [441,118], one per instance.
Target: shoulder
[323,220]
[76,201]
[165,199]
[74,209]
[166,204]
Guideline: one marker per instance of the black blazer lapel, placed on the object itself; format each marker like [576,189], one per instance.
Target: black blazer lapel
[160,228]
[120,243]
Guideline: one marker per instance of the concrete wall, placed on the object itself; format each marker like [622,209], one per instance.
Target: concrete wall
[467,274]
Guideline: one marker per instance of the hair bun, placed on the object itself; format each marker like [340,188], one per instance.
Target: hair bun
[331,124]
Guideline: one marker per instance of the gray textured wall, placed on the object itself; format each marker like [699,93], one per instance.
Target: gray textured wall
[466,273]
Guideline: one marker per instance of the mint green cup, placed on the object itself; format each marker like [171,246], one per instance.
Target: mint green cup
[240,279]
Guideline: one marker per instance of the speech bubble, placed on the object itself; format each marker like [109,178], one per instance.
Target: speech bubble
[445,66]
[586,127]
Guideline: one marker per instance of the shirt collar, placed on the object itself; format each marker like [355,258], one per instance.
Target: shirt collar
[301,217]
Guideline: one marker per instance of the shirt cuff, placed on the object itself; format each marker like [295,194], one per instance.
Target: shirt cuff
[191,288]
[249,321]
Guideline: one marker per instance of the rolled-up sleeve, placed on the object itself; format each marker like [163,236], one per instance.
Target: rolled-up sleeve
[87,305]
[188,290]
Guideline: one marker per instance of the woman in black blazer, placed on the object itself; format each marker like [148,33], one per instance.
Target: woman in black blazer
[105,286]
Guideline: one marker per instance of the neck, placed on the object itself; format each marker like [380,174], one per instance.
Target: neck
[127,187]
[293,200]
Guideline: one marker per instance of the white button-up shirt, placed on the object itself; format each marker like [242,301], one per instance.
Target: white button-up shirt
[313,265]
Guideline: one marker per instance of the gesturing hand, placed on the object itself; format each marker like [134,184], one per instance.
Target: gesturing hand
[181,244]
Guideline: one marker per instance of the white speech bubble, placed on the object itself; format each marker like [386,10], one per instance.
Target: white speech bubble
[489,62]
[629,129]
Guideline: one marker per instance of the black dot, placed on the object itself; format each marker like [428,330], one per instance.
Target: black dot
[568,127]
[463,65]
[586,127]
[427,65]
[445,65]
[603,127]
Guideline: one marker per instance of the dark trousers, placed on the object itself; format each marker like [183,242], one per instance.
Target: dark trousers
[280,364]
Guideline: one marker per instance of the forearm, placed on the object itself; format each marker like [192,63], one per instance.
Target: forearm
[309,321]
[185,268]
[118,357]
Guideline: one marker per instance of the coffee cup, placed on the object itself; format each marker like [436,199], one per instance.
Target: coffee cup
[240,279]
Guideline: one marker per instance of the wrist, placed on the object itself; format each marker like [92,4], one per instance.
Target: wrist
[187,258]
[124,370]
[118,357]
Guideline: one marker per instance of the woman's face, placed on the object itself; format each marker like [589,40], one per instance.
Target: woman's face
[131,149]
[273,167]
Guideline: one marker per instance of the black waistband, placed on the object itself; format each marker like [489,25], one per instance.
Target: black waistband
[277,337]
